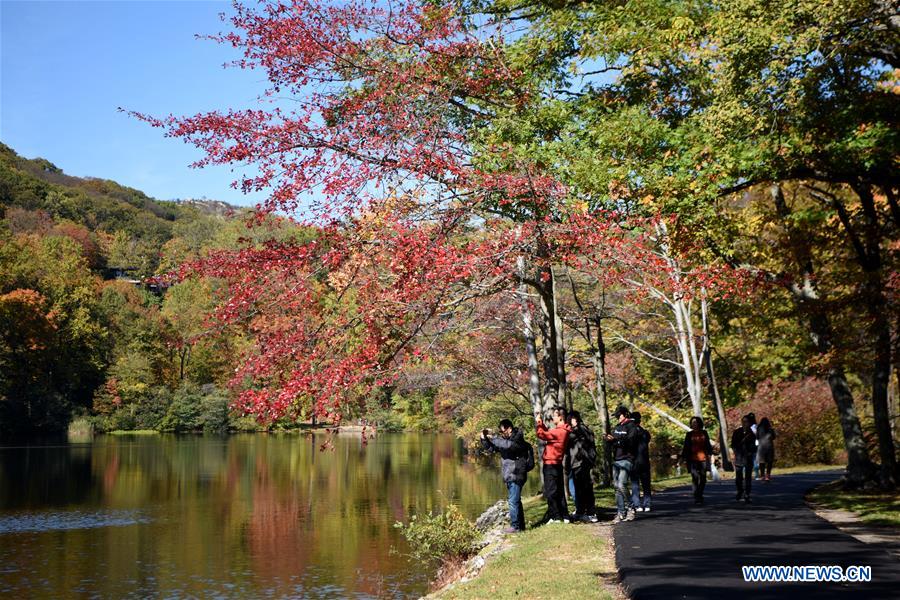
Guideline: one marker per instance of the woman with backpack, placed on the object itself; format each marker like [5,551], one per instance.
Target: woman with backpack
[582,456]
[766,450]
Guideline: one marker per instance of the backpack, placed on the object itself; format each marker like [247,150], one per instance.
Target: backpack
[529,456]
[590,455]
[587,451]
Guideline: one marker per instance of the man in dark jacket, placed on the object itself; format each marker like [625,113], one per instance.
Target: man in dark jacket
[581,458]
[743,444]
[513,451]
[622,439]
[640,473]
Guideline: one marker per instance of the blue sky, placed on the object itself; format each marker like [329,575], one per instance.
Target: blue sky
[66,66]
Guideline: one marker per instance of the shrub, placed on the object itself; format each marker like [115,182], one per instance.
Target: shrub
[214,411]
[803,415]
[149,413]
[184,413]
[444,537]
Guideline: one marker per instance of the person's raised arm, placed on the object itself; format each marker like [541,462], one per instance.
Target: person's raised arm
[502,443]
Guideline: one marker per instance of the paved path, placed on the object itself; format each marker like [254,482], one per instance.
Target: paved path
[684,551]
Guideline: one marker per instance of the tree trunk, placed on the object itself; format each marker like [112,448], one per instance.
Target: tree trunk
[563,396]
[534,380]
[877,306]
[684,329]
[894,402]
[809,302]
[880,410]
[550,359]
[601,405]
[713,388]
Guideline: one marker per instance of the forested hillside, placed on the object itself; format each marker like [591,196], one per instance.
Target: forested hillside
[81,330]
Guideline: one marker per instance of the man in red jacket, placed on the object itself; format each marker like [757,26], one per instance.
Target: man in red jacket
[554,452]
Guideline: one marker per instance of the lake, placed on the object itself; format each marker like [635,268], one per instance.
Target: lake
[255,515]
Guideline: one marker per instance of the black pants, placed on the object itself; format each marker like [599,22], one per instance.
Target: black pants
[584,491]
[743,475]
[698,478]
[554,491]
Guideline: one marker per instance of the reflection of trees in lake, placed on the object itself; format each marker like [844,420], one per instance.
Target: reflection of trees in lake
[258,512]
[277,548]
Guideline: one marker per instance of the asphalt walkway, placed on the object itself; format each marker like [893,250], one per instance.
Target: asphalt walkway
[680,550]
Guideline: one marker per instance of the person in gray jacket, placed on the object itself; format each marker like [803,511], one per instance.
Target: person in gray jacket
[514,466]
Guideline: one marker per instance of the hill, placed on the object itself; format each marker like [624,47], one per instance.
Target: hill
[100,205]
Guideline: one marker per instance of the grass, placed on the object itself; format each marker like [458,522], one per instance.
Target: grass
[545,561]
[553,561]
[872,507]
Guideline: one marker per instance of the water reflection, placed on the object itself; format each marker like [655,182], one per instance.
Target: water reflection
[237,516]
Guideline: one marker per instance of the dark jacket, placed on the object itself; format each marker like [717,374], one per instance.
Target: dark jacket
[687,450]
[766,448]
[642,450]
[743,444]
[513,453]
[625,441]
[582,452]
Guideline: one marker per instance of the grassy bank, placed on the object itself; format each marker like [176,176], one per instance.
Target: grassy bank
[872,507]
[553,561]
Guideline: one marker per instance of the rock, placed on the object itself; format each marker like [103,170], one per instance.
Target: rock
[495,516]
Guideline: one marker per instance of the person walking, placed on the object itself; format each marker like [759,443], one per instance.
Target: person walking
[516,459]
[641,471]
[696,452]
[753,426]
[743,445]
[557,440]
[766,449]
[582,456]
[622,439]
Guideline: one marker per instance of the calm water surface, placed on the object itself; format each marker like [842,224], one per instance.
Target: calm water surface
[241,516]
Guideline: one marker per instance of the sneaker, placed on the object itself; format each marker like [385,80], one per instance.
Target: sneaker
[629,516]
[552,521]
[738,497]
[747,499]
[619,518]
[639,509]
[646,509]
[511,530]
[592,519]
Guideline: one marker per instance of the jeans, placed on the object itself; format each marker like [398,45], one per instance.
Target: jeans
[554,492]
[584,492]
[621,474]
[698,478]
[640,480]
[743,478]
[572,489]
[516,512]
